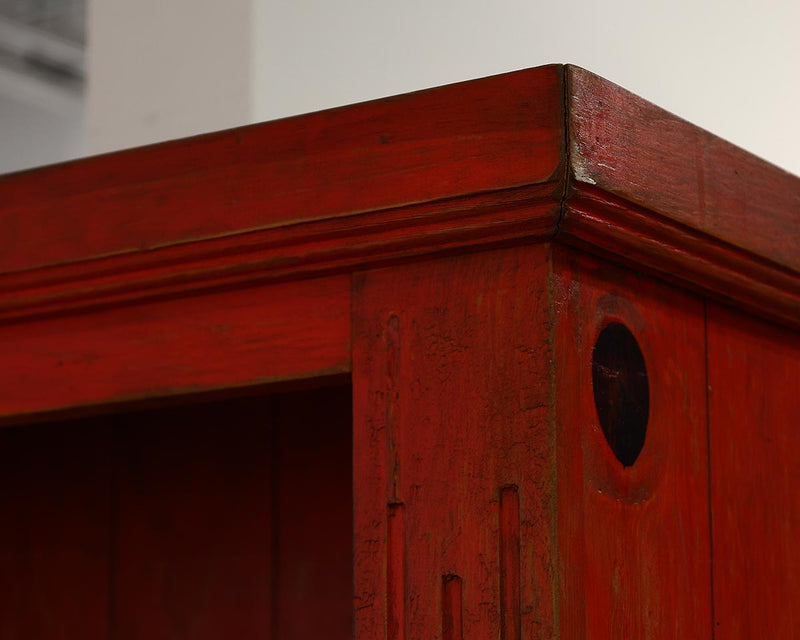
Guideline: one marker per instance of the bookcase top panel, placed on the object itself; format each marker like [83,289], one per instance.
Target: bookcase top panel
[553,153]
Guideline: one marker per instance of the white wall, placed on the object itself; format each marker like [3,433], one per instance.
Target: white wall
[31,136]
[161,69]
[730,66]
[41,112]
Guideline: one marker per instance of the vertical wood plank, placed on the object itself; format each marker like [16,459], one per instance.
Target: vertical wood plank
[452,403]
[54,531]
[754,411]
[633,541]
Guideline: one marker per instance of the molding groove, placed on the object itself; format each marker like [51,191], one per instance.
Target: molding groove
[289,252]
[600,223]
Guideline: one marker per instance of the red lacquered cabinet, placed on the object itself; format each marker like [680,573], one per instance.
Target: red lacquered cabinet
[513,358]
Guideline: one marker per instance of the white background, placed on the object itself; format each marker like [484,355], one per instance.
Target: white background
[161,69]
[730,66]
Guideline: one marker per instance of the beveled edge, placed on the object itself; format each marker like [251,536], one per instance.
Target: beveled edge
[674,204]
[649,190]
[289,252]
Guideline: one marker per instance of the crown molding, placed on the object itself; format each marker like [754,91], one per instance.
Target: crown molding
[597,222]
[547,154]
[293,251]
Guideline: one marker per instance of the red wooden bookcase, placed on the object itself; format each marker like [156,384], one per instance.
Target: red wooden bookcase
[512,358]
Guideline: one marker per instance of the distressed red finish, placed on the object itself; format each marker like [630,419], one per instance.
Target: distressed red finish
[332,376]
[634,549]
[451,400]
[754,410]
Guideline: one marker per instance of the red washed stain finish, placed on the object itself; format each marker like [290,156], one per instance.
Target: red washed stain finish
[395,573]
[452,620]
[650,242]
[633,542]
[630,148]
[499,132]
[229,339]
[435,247]
[754,412]
[511,616]
[472,417]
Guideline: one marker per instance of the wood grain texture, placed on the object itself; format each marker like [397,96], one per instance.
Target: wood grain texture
[404,240]
[55,508]
[295,251]
[619,230]
[236,338]
[452,608]
[633,542]
[754,411]
[499,132]
[481,164]
[451,405]
[630,148]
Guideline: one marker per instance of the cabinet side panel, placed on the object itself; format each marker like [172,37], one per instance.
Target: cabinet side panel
[633,540]
[54,531]
[754,410]
[453,448]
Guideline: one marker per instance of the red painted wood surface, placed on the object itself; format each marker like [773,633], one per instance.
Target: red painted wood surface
[628,147]
[499,132]
[291,252]
[228,519]
[232,339]
[634,557]
[398,239]
[453,449]
[754,411]
[648,241]
[486,162]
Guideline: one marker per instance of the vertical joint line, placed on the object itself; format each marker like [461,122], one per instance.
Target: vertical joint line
[566,178]
[708,469]
[452,623]
[510,606]
[392,338]
[395,573]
